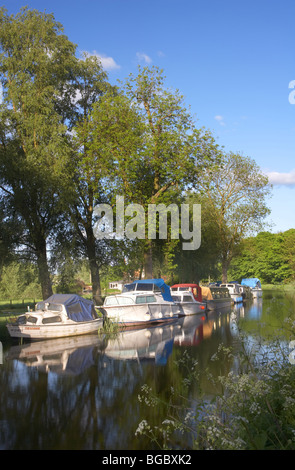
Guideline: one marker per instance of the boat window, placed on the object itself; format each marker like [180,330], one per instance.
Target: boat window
[183,288]
[111,301]
[145,299]
[186,298]
[143,287]
[32,319]
[75,308]
[141,299]
[174,289]
[129,287]
[21,320]
[176,298]
[55,307]
[54,319]
[125,300]
[49,306]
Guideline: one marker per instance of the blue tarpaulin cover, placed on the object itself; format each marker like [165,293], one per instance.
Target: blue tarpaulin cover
[78,308]
[165,290]
[251,282]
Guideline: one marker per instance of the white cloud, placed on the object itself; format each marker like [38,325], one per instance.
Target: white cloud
[285,179]
[143,57]
[108,63]
[220,119]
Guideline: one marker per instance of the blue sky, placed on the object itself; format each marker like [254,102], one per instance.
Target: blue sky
[232,60]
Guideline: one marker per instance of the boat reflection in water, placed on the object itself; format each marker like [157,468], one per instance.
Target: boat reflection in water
[154,343]
[71,356]
[63,356]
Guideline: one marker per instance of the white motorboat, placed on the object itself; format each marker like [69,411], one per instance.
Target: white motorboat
[189,298]
[255,286]
[59,316]
[235,291]
[141,302]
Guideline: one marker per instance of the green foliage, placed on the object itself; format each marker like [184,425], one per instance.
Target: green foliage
[253,411]
[268,256]
[19,281]
[234,193]
[69,140]
[35,62]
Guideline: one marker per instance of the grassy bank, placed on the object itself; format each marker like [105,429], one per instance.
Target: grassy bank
[282,287]
[4,316]
[17,305]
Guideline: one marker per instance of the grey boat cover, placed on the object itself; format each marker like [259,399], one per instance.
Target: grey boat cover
[78,308]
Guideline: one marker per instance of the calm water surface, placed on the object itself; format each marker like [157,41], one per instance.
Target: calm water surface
[82,393]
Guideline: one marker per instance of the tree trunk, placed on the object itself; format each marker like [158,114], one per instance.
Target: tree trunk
[93,265]
[225,265]
[44,275]
[95,280]
[148,260]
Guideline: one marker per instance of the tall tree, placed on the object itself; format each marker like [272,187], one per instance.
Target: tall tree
[89,165]
[173,149]
[35,62]
[235,195]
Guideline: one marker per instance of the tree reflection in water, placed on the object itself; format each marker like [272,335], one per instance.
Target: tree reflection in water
[82,392]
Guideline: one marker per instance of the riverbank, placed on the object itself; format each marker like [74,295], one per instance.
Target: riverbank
[282,287]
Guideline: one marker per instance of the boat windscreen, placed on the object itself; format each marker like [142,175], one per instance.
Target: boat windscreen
[49,306]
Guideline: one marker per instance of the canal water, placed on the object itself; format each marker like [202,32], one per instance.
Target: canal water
[90,392]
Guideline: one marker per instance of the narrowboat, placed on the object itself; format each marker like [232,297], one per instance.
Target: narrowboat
[216,297]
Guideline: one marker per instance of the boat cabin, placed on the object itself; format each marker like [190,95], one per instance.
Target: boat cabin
[195,289]
[232,287]
[149,285]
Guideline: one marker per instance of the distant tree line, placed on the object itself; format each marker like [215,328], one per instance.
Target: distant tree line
[70,140]
[268,256]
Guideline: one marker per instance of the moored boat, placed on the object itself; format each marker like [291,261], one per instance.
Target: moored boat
[216,297]
[246,292]
[255,285]
[235,291]
[58,316]
[141,302]
[189,298]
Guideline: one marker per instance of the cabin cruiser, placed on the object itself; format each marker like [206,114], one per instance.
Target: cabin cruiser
[58,316]
[141,302]
[235,290]
[189,298]
[255,286]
